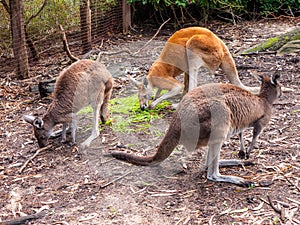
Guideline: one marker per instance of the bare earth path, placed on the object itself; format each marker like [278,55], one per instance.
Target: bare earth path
[86,186]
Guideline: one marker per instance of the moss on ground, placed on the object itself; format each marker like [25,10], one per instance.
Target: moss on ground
[126,115]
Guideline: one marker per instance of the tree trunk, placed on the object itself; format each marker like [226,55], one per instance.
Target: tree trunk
[126,16]
[85,20]
[18,38]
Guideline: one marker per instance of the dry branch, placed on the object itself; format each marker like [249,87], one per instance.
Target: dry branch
[38,12]
[66,45]
[288,180]
[138,51]
[32,157]
[148,42]
[118,178]
[273,206]
[23,219]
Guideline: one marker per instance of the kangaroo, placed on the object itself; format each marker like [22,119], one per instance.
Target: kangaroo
[208,115]
[85,82]
[194,51]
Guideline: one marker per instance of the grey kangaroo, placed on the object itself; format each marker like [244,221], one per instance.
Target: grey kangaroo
[85,82]
[208,115]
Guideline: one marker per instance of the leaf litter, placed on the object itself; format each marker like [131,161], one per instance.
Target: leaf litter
[68,185]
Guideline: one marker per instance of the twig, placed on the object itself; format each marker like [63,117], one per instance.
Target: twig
[273,206]
[293,200]
[65,43]
[35,15]
[127,51]
[147,43]
[210,222]
[31,78]
[114,53]
[23,219]
[32,157]
[118,178]
[288,180]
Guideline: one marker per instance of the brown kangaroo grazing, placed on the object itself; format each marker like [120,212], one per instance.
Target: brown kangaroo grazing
[84,83]
[208,115]
[192,50]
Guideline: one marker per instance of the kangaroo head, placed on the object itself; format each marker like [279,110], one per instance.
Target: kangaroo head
[276,84]
[144,92]
[40,132]
[270,87]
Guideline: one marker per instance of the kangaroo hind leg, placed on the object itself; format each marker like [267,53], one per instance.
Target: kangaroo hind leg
[212,162]
[96,105]
[201,63]
[104,111]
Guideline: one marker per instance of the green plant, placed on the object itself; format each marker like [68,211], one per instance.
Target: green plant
[296,111]
[279,6]
[127,116]
[276,220]
[56,12]
[225,8]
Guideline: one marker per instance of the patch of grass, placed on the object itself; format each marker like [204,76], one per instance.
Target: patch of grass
[85,110]
[127,117]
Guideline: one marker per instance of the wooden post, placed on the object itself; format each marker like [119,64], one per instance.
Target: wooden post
[126,11]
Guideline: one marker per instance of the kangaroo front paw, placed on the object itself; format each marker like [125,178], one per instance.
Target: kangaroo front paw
[242,155]
[247,156]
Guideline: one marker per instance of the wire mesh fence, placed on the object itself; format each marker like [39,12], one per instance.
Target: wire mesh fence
[42,34]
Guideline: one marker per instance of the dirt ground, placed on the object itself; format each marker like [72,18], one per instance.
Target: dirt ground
[68,185]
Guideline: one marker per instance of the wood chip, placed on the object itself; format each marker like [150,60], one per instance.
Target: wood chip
[258,207]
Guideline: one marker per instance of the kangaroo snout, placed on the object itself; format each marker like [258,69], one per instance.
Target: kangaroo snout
[144,107]
[143,104]
[42,143]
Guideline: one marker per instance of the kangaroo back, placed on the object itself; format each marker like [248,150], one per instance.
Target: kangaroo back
[84,82]
[80,84]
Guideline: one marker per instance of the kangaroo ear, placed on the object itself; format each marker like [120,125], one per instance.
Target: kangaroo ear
[145,82]
[275,78]
[134,81]
[38,123]
[34,121]
[258,77]
[29,119]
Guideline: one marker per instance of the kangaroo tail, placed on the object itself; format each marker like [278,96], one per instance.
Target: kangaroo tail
[165,148]
[134,159]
